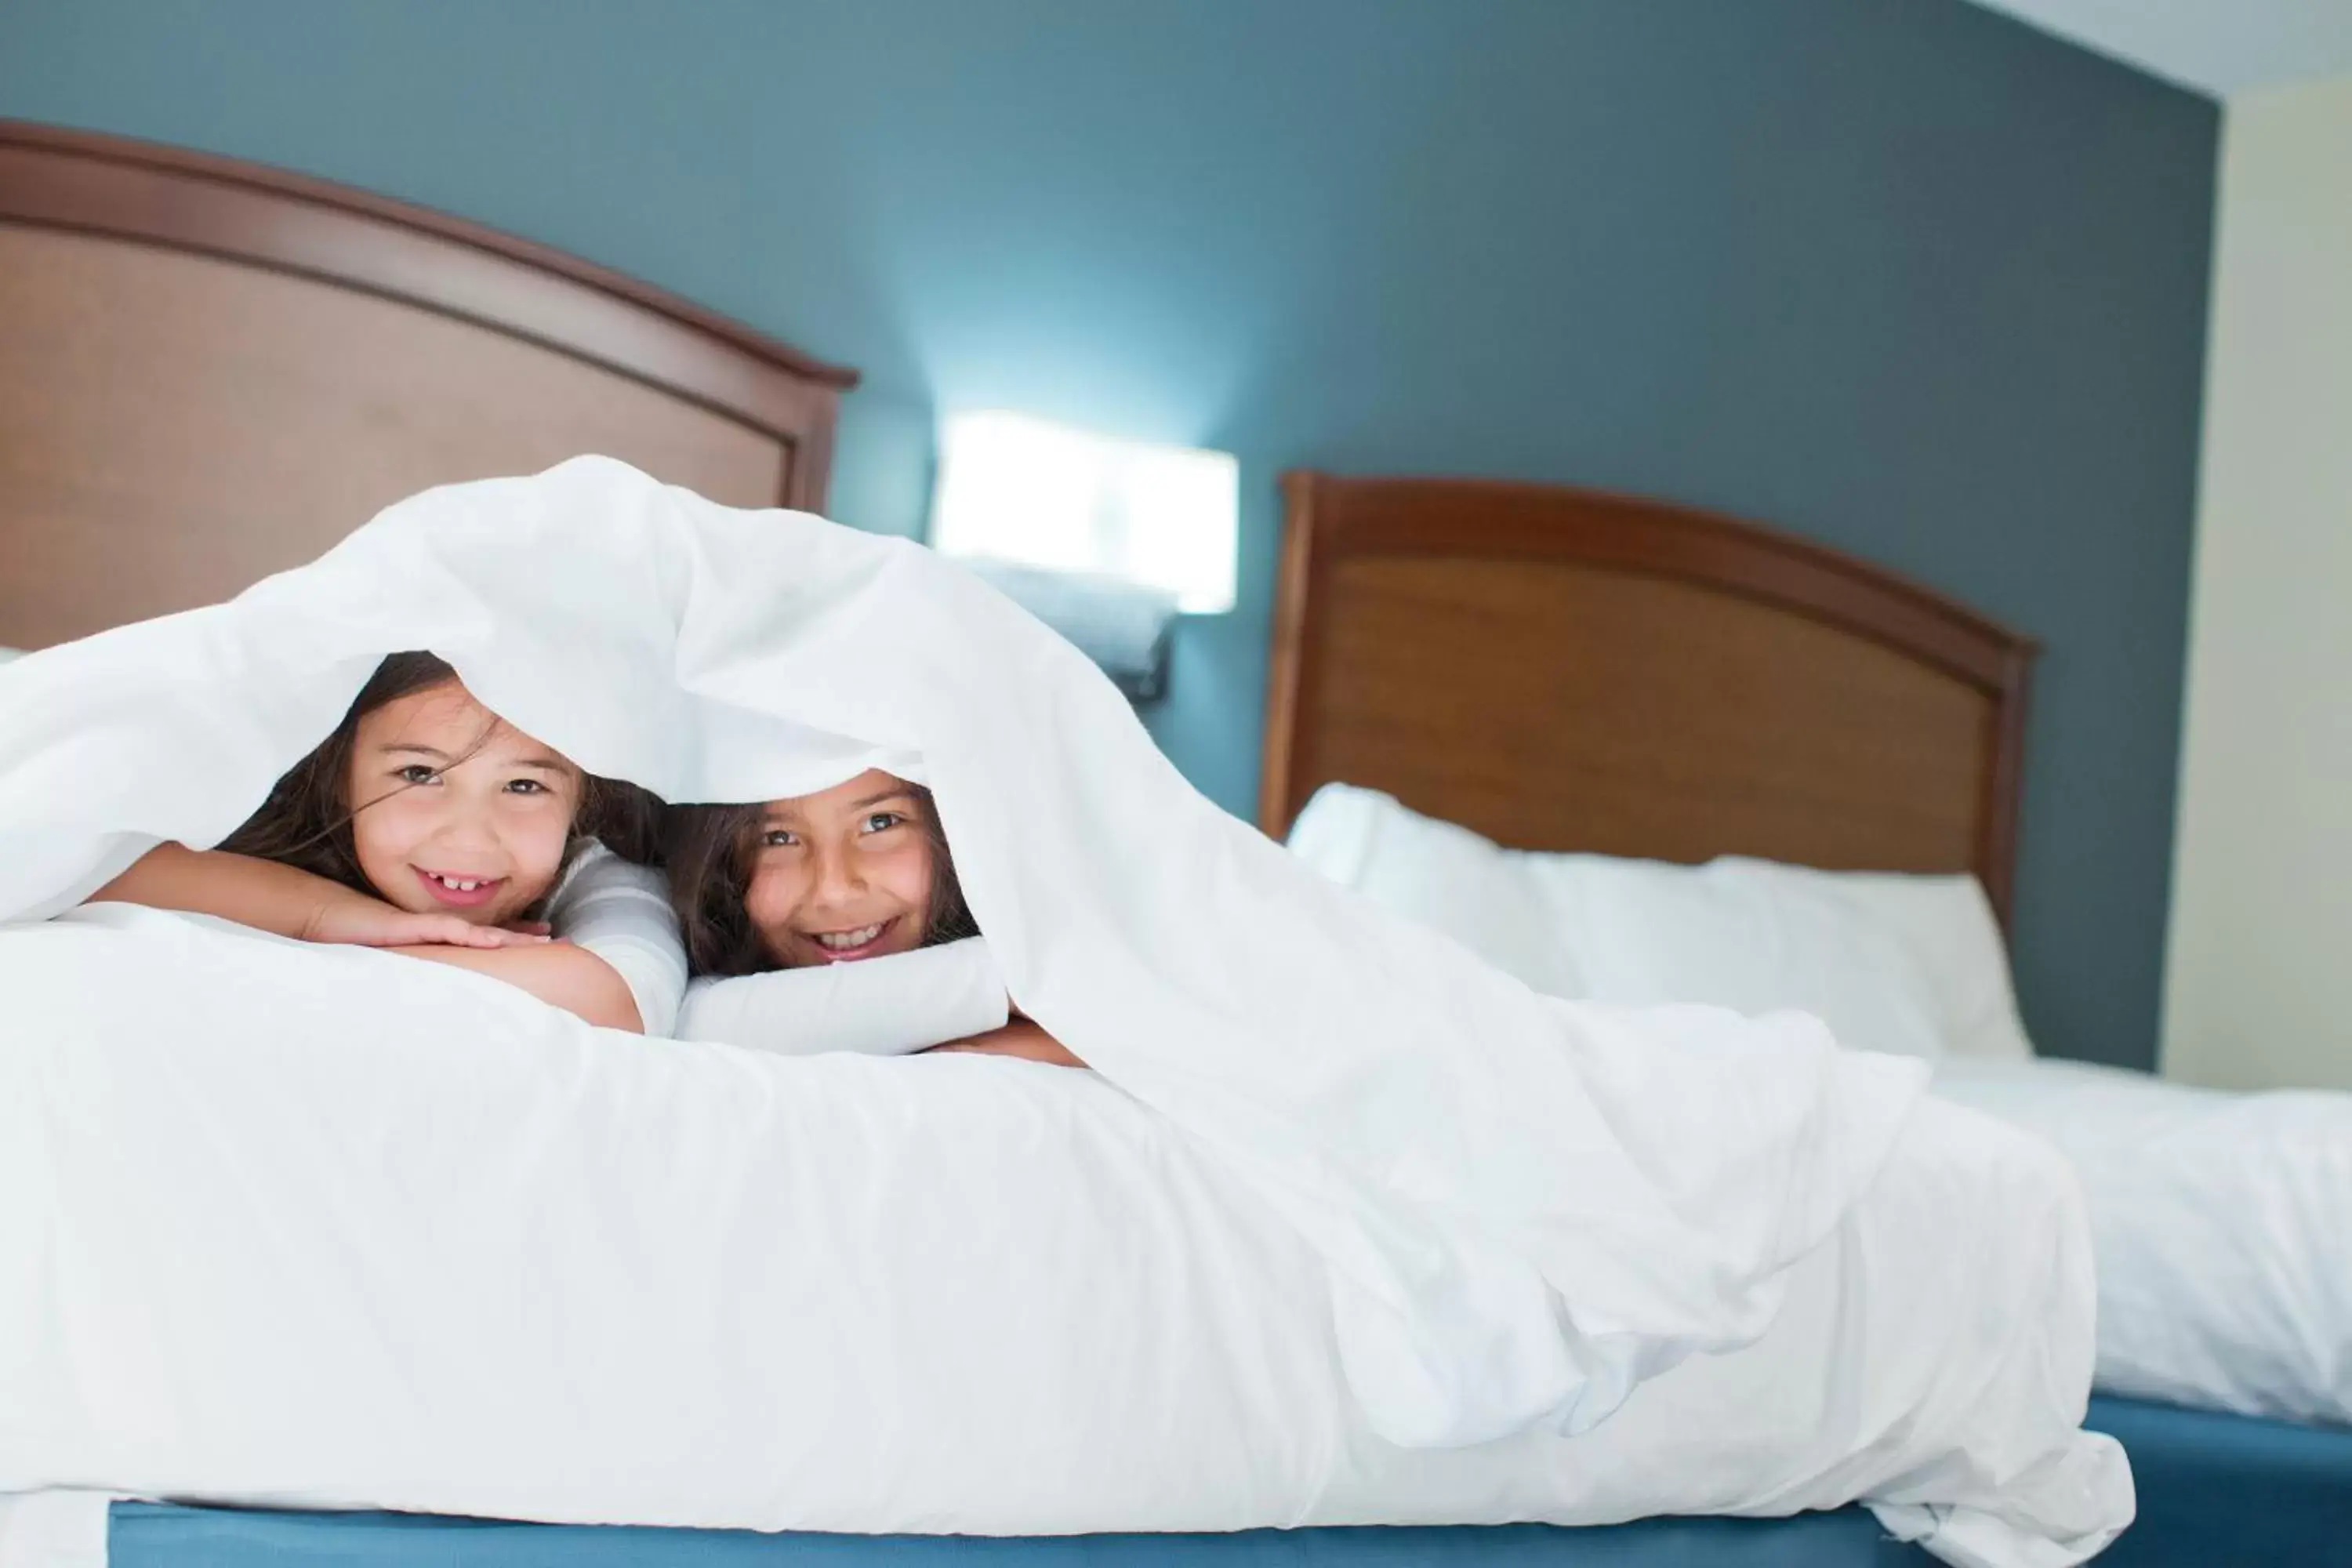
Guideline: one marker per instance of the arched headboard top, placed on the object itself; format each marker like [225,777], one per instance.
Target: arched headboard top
[210,370]
[1570,669]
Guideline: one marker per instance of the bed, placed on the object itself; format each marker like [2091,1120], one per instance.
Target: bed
[1709,688]
[179,334]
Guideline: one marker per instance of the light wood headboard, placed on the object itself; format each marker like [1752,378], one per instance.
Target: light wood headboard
[210,371]
[1568,670]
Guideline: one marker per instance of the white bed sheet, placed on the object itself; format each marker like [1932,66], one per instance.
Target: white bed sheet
[275,1231]
[2222,1224]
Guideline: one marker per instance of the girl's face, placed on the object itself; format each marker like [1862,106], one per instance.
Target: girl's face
[455,810]
[843,874]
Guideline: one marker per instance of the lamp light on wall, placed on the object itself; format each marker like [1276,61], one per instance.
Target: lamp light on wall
[1106,540]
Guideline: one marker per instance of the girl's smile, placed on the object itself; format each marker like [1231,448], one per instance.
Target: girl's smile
[459,893]
[842,945]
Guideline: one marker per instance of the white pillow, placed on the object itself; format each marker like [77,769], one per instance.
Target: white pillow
[1908,964]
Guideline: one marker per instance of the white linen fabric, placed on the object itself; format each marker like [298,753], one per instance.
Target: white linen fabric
[1908,964]
[53,1529]
[2221,1222]
[1527,1205]
[881,1006]
[1516,1209]
[312,1226]
[620,911]
[2219,1219]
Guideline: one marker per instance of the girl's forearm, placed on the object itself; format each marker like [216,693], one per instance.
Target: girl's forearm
[559,975]
[262,894]
[1019,1038]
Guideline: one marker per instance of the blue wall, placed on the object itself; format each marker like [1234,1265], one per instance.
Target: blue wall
[1897,274]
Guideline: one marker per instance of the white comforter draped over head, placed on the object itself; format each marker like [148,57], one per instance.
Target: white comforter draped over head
[1524,1206]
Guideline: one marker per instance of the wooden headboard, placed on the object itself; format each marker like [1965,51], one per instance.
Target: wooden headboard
[210,371]
[1568,670]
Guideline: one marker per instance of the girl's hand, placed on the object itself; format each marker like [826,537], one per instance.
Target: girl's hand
[1020,1039]
[371,922]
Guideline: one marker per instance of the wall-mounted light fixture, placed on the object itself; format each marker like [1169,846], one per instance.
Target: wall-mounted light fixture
[1106,540]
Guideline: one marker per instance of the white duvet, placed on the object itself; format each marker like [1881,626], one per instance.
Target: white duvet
[1349,1227]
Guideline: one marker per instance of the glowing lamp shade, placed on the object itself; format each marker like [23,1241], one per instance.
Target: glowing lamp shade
[1027,491]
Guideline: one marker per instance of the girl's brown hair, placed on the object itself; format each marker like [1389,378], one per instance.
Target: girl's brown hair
[306,822]
[710,849]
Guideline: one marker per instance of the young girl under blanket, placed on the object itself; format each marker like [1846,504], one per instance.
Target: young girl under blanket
[830,894]
[426,825]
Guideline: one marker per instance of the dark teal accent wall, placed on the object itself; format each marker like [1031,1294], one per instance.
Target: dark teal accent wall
[1900,275]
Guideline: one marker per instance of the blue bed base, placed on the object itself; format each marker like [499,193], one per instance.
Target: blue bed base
[2221,1490]
[2213,1490]
[151,1536]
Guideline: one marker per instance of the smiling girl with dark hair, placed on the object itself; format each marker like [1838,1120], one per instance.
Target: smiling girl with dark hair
[836,918]
[426,824]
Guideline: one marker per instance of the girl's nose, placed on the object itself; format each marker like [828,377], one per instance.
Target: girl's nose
[838,880]
[465,826]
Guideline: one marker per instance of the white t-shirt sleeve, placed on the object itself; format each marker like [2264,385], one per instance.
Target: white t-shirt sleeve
[620,911]
[879,1006]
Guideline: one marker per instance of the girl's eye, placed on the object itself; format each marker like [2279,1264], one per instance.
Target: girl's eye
[415,773]
[525,786]
[883,821]
[778,838]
